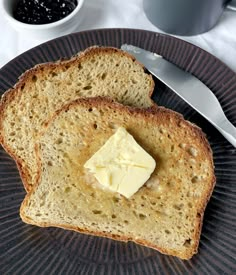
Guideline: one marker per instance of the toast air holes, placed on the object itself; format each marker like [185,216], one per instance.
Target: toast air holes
[97,212]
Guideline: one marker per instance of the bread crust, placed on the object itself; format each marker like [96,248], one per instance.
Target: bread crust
[156,114]
[115,237]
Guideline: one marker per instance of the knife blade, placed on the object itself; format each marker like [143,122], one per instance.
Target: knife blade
[188,87]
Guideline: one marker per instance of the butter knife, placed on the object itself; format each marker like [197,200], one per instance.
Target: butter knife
[188,87]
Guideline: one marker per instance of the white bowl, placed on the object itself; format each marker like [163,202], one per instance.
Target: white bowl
[44,31]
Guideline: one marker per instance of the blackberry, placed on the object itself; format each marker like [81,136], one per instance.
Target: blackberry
[43,12]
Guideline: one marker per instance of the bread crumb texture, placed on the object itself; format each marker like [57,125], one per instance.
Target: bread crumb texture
[165,214]
[98,71]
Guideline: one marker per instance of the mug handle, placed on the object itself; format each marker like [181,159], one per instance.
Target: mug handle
[232,5]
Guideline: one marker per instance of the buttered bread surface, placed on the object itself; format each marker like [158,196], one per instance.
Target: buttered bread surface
[165,213]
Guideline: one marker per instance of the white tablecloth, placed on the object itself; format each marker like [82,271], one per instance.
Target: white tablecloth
[220,41]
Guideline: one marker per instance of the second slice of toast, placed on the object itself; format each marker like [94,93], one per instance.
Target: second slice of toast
[98,71]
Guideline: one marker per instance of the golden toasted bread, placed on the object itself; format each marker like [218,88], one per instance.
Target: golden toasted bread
[98,71]
[166,213]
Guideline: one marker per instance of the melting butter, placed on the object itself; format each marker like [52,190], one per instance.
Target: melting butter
[121,164]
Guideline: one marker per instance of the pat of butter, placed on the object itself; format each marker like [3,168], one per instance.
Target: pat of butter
[121,164]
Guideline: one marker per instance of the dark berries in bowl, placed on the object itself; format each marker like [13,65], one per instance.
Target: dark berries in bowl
[43,11]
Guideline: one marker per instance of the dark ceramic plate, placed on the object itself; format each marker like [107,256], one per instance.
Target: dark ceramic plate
[26,249]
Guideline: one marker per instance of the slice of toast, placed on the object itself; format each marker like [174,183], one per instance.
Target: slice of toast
[98,71]
[167,211]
